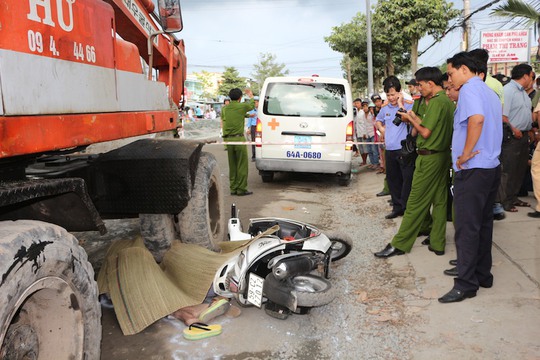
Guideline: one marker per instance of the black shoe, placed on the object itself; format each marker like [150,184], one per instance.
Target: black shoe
[383,193]
[245,193]
[499,216]
[423,233]
[535,214]
[453,262]
[486,284]
[451,272]
[426,241]
[394,214]
[388,251]
[233,192]
[456,295]
[437,252]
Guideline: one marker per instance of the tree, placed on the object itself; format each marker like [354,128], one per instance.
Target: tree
[266,67]
[518,9]
[351,39]
[231,80]
[413,19]
[206,78]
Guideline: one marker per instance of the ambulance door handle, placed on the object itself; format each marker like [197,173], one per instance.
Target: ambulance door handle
[303,133]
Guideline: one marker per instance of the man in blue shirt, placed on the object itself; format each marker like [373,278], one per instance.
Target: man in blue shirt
[398,174]
[476,146]
[515,152]
[252,125]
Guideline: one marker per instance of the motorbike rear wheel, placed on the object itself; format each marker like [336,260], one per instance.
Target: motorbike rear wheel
[341,245]
[312,290]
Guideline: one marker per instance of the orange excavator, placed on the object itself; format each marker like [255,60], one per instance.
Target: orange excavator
[90,94]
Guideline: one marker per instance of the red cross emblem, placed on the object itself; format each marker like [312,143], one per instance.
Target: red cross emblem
[273,124]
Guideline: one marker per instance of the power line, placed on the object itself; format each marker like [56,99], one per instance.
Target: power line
[460,23]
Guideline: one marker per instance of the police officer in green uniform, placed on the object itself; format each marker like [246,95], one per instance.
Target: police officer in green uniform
[430,181]
[233,130]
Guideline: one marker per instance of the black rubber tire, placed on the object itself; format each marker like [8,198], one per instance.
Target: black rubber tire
[341,245]
[312,290]
[344,179]
[203,222]
[158,232]
[267,176]
[47,292]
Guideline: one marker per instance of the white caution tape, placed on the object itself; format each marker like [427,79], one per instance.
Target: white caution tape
[291,143]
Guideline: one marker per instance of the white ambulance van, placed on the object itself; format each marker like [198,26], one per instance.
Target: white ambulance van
[305,125]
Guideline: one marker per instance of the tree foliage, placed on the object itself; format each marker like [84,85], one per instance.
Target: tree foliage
[351,39]
[517,9]
[206,78]
[413,19]
[397,26]
[266,67]
[231,80]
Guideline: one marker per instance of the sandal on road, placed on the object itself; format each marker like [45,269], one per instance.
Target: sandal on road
[198,331]
[216,309]
[521,203]
[511,209]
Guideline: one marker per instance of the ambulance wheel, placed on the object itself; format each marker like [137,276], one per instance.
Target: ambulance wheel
[267,176]
[344,179]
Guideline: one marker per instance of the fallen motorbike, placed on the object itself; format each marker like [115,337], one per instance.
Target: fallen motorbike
[284,267]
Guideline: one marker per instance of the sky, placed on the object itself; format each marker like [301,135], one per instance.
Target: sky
[221,33]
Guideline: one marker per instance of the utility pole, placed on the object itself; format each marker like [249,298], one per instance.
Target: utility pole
[369,49]
[466,25]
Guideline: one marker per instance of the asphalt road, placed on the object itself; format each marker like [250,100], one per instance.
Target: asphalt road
[386,309]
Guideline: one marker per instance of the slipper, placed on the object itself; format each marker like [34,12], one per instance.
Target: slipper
[233,312]
[216,309]
[521,204]
[511,209]
[198,331]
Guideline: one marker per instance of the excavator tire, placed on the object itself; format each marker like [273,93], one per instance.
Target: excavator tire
[203,222]
[49,305]
[158,233]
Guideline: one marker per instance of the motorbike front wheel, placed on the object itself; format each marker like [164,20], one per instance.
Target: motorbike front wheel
[312,290]
[341,245]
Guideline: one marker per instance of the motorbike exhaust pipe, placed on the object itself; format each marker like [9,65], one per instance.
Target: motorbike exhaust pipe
[293,266]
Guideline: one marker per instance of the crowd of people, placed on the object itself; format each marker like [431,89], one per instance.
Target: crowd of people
[192,114]
[458,147]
